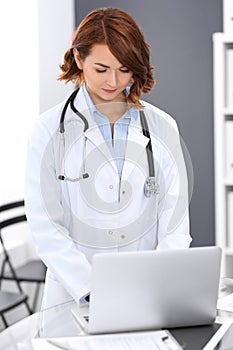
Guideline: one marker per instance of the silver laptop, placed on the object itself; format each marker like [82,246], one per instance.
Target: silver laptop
[153,289]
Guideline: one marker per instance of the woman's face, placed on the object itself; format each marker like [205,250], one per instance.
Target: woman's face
[104,75]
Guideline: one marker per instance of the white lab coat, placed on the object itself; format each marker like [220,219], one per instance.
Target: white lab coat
[72,221]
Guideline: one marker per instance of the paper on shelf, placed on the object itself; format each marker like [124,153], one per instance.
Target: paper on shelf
[123,341]
[228,150]
[229,77]
[230,218]
[228,16]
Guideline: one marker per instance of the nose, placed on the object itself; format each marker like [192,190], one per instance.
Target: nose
[112,78]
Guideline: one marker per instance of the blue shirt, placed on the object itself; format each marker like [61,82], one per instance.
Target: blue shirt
[117,143]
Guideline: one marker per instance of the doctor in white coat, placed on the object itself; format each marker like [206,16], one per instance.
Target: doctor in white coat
[85,177]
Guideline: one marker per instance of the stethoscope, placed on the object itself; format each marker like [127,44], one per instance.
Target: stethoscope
[150,187]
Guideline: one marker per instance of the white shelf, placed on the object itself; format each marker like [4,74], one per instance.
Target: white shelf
[229,251]
[227,111]
[225,38]
[228,183]
[221,43]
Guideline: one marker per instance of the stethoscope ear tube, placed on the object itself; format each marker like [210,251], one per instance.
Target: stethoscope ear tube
[69,100]
[81,116]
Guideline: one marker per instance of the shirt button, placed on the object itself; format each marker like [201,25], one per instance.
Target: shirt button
[110,187]
[123,192]
[110,232]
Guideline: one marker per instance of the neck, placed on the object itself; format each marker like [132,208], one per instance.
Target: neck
[113,110]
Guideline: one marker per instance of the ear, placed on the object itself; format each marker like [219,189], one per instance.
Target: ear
[77,59]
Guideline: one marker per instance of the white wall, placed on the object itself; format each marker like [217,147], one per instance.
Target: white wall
[34,35]
[56,26]
[29,67]
[18,89]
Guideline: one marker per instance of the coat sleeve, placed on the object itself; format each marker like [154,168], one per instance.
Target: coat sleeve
[46,218]
[173,207]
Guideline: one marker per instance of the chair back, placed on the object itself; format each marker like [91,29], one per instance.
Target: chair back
[11,219]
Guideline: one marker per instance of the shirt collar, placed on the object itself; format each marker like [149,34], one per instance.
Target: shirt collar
[131,113]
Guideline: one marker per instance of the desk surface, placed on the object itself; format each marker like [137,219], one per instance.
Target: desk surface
[194,338]
[59,322]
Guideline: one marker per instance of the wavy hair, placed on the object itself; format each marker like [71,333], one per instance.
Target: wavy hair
[119,31]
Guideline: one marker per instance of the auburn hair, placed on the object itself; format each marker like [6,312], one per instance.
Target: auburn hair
[119,31]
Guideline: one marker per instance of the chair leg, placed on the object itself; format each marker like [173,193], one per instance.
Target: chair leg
[30,311]
[36,296]
[4,320]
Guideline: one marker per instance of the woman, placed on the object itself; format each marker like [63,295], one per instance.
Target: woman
[89,186]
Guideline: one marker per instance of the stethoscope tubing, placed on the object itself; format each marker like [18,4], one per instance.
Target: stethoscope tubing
[63,113]
[149,150]
[145,129]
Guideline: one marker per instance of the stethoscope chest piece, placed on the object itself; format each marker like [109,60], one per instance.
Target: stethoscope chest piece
[151,187]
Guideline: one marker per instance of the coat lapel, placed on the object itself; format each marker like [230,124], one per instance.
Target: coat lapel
[95,136]
[136,147]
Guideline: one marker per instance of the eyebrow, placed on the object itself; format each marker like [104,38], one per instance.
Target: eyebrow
[104,66]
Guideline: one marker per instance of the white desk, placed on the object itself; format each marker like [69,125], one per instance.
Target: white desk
[59,322]
[54,322]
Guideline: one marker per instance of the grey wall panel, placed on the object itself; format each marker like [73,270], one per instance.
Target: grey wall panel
[180,35]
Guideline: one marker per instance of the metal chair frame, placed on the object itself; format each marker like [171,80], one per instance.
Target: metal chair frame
[13,273]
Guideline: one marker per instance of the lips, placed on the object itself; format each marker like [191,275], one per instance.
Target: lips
[109,91]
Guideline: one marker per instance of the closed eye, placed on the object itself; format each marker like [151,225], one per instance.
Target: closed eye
[105,70]
[124,70]
[101,70]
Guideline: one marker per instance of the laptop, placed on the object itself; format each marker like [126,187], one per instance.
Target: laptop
[147,290]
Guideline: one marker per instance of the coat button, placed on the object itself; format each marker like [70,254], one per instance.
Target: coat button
[110,232]
[110,187]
